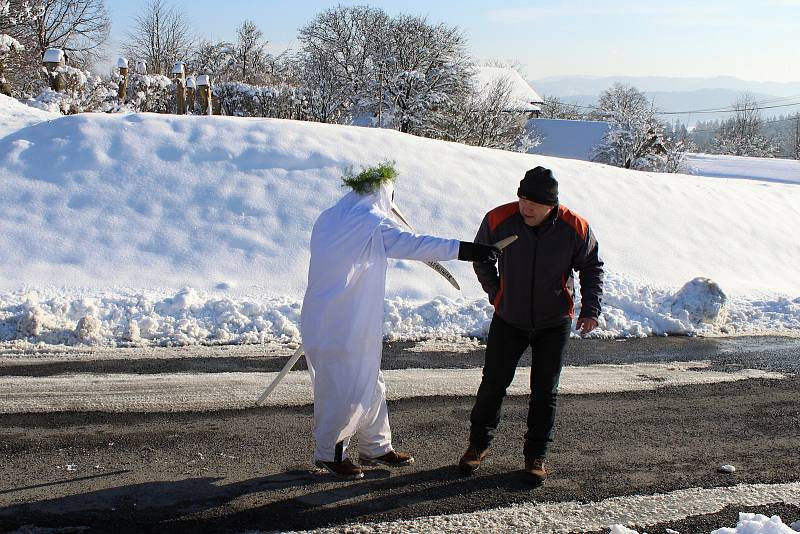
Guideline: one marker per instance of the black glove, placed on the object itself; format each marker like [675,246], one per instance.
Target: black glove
[477,252]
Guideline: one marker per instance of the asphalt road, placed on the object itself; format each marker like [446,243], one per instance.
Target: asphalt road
[232,471]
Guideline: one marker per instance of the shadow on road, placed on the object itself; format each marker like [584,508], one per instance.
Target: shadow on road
[189,505]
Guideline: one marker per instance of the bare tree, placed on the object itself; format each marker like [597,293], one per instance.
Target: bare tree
[555,108]
[794,137]
[427,67]
[341,59]
[160,36]
[79,27]
[742,134]
[485,117]
[19,60]
[636,138]
[250,56]
[215,59]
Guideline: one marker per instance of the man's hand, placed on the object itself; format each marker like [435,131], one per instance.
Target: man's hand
[586,325]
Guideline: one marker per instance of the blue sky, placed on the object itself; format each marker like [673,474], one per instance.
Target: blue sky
[753,40]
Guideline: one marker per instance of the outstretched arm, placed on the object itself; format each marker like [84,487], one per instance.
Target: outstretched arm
[402,244]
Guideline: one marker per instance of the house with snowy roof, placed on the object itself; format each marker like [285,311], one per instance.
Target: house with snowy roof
[524,99]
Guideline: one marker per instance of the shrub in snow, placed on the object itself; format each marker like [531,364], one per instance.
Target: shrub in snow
[243,100]
[89,329]
[83,92]
[700,301]
[152,93]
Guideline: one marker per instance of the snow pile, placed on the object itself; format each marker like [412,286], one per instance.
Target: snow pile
[748,524]
[757,524]
[15,115]
[187,229]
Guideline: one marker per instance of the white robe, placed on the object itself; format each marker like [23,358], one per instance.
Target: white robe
[342,317]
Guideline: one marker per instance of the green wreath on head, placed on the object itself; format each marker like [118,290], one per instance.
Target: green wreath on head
[371,178]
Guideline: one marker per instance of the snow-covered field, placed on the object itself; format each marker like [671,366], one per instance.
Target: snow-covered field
[737,167]
[160,229]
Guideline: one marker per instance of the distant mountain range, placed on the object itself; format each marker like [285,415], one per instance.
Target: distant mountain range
[680,94]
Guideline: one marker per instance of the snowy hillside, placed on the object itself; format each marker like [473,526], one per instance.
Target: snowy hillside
[109,216]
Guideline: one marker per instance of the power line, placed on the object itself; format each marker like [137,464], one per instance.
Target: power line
[730,109]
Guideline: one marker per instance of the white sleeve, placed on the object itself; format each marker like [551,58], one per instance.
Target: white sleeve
[404,245]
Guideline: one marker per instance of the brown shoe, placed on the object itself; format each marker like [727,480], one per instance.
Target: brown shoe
[472,459]
[535,468]
[391,459]
[345,469]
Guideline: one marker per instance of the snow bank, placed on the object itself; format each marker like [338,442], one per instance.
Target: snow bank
[110,216]
[15,115]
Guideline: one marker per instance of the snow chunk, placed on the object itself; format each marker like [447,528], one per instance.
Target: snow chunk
[757,524]
[727,468]
[9,44]
[621,529]
[122,63]
[53,55]
[89,329]
[185,299]
[700,301]
[30,323]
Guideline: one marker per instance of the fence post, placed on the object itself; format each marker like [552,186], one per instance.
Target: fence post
[179,79]
[122,65]
[204,93]
[190,94]
[52,59]
[141,67]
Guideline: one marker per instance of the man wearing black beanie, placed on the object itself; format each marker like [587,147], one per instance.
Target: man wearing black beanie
[532,288]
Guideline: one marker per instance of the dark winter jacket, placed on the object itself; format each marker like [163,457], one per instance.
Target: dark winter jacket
[535,286]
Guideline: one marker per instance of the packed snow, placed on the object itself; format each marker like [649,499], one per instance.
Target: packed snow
[613,513]
[179,392]
[152,229]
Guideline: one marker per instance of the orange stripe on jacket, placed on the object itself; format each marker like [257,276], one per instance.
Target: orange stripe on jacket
[578,223]
[501,213]
[499,295]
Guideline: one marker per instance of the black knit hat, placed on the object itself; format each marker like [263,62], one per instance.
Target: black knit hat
[539,185]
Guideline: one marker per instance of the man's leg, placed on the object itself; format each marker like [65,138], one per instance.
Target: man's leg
[504,346]
[374,434]
[548,357]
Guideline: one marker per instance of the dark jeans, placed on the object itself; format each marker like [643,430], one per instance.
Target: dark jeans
[504,347]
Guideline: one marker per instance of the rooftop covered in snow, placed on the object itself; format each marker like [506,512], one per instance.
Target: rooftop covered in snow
[524,98]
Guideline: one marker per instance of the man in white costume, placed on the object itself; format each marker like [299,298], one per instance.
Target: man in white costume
[342,323]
